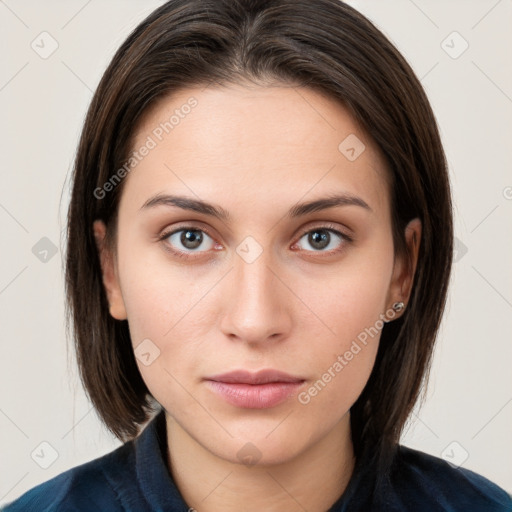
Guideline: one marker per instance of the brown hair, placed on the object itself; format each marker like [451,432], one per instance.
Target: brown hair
[323,44]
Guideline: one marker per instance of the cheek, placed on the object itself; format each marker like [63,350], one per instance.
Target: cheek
[159,296]
[170,315]
[351,298]
[351,307]
[161,324]
[341,363]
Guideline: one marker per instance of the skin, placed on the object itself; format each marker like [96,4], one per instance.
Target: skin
[256,151]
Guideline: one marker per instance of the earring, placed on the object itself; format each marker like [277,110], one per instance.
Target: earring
[398,306]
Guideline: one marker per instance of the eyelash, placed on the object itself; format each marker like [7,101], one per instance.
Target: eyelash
[185,255]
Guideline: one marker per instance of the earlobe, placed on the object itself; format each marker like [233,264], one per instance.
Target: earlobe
[109,273]
[405,266]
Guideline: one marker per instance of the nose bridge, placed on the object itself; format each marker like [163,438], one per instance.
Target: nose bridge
[256,310]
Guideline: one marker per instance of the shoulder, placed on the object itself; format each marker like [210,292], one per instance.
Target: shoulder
[419,479]
[88,487]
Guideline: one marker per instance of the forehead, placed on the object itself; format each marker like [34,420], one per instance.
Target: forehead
[274,143]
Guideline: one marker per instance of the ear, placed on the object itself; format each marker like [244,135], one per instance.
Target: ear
[405,266]
[109,273]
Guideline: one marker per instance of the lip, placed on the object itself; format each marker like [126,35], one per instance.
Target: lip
[260,390]
[261,377]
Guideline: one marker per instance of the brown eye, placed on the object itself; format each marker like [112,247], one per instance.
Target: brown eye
[323,239]
[319,239]
[188,240]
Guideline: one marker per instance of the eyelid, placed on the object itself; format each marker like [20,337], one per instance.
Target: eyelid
[345,240]
[187,256]
[166,233]
[328,227]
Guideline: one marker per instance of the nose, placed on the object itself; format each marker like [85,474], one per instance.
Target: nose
[257,305]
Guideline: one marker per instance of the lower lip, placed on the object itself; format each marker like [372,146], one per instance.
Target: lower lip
[255,396]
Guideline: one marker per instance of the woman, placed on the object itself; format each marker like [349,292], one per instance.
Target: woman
[259,249]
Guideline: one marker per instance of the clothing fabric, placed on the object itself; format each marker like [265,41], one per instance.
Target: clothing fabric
[135,478]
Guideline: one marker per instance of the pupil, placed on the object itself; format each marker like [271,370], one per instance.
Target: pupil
[191,239]
[319,239]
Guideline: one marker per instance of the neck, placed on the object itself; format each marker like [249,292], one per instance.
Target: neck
[312,480]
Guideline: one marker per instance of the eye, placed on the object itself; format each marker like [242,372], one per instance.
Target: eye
[324,239]
[188,239]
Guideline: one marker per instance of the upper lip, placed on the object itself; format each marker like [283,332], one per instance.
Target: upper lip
[261,377]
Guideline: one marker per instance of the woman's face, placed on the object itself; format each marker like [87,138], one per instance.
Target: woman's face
[271,284]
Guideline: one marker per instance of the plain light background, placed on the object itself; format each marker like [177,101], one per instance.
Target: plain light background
[467,417]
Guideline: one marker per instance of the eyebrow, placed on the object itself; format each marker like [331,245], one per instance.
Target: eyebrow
[298,210]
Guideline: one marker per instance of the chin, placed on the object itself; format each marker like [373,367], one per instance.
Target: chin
[260,449]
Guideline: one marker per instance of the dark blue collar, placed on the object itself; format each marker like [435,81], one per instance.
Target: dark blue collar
[153,475]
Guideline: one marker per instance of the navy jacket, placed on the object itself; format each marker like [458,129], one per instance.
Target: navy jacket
[135,478]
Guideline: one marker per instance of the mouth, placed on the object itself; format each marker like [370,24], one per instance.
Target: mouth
[261,390]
